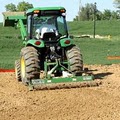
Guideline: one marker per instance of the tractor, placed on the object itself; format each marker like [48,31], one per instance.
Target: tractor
[49,58]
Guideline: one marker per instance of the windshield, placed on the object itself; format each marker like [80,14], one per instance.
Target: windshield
[44,24]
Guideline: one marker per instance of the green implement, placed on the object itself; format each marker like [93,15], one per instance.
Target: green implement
[60,83]
[10,18]
[66,80]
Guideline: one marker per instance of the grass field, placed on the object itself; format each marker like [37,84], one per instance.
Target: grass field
[94,50]
[102,28]
[10,45]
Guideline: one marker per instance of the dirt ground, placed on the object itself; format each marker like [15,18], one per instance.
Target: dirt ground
[94,103]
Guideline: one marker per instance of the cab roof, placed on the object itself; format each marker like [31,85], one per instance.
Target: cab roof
[44,8]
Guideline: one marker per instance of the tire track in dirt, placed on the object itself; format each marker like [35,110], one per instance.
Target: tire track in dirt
[95,103]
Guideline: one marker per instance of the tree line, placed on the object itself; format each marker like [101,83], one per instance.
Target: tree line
[91,12]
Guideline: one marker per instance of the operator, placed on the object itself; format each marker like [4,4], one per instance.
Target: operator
[46,28]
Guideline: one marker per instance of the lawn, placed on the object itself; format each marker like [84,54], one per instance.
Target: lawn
[10,45]
[102,27]
[94,50]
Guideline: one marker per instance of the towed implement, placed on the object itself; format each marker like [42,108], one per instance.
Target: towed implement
[49,59]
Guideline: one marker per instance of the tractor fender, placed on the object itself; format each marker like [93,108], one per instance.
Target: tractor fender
[36,43]
[65,42]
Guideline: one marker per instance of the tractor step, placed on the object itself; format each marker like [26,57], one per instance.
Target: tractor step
[60,83]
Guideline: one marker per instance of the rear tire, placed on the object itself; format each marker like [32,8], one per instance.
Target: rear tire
[30,64]
[17,70]
[75,60]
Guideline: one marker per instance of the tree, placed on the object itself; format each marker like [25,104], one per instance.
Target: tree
[115,15]
[10,7]
[23,6]
[117,3]
[99,15]
[86,13]
[107,14]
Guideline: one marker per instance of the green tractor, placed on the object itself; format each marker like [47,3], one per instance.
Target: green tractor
[49,58]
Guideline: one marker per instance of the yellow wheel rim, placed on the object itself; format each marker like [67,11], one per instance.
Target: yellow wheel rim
[22,67]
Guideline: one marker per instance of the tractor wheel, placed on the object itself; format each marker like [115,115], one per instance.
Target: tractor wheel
[17,70]
[30,64]
[75,59]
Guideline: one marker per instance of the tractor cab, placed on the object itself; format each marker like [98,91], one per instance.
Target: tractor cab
[46,24]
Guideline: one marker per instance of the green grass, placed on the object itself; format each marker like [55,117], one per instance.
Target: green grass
[10,45]
[9,51]
[94,50]
[102,27]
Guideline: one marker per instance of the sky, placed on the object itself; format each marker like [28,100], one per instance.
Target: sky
[72,6]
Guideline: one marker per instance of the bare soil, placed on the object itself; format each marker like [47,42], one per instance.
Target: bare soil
[93,103]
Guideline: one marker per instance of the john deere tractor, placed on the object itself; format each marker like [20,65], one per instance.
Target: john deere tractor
[49,56]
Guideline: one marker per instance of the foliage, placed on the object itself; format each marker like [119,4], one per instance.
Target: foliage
[88,11]
[107,14]
[11,7]
[117,3]
[115,15]
[22,6]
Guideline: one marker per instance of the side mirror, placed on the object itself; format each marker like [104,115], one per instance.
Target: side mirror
[71,36]
[15,25]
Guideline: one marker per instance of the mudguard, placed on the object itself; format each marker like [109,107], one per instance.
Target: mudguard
[36,43]
[65,42]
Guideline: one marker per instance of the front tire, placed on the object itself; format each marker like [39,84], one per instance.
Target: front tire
[17,70]
[30,64]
